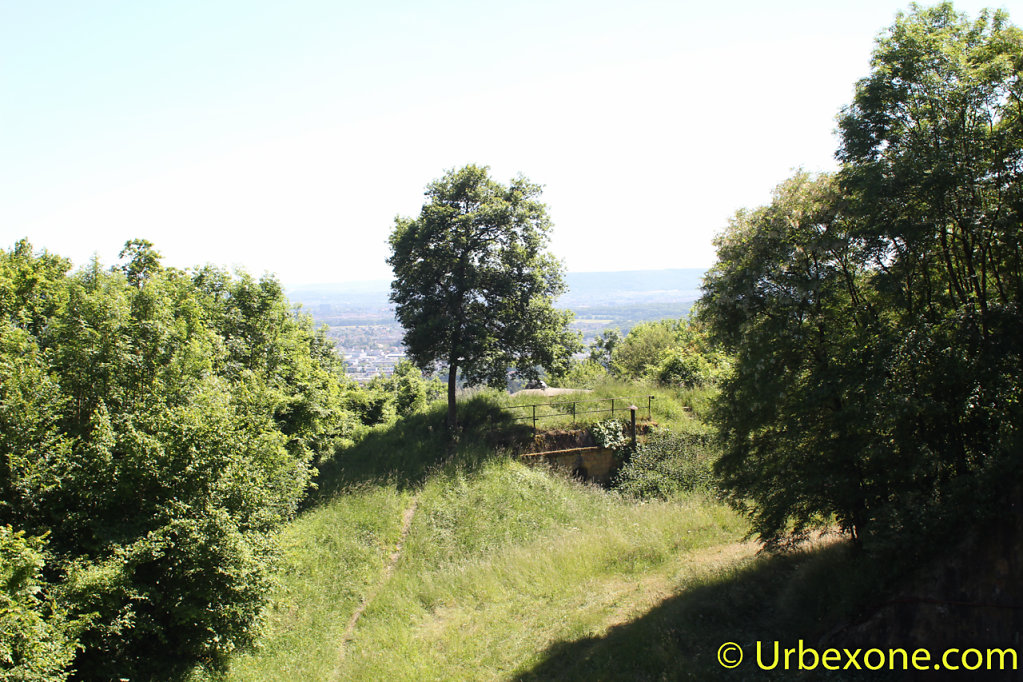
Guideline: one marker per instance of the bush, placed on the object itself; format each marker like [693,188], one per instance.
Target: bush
[668,464]
[160,425]
[610,434]
[371,405]
[194,586]
[682,369]
[36,642]
[641,349]
[585,374]
[407,387]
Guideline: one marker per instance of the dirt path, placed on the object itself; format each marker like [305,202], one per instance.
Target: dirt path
[406,524]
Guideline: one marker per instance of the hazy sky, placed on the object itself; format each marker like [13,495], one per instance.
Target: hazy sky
[286,136]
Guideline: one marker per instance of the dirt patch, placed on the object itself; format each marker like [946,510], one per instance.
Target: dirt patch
[561,439]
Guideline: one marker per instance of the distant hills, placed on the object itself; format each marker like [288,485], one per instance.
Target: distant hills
[632,286]
[585,290]
[361,320]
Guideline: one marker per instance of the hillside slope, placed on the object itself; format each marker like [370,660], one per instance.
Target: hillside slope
[502,562]
[512,572]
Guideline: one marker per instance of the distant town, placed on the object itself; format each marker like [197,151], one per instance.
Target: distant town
[361,320]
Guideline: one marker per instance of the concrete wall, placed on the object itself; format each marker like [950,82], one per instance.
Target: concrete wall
[592,463]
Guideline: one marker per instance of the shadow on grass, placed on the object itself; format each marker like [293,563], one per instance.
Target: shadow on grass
[780,597]
[405,452]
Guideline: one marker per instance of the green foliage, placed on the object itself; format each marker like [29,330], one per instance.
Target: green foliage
[676,353]
[410,391]
[584,374]
[875,316]
[371,405]
[36,640]
[610,434]
[143,261]
[684,369]
[473,285]
[159,427]
[603,347]
[668,464]
[636,356]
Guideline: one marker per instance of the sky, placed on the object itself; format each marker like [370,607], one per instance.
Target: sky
[285,137]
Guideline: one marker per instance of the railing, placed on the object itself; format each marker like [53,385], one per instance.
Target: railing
[563,408]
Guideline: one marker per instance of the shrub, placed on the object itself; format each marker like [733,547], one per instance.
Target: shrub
[683,369]
[668,464]
[610,434]
[371,405]
[160,425]
[410,391]
[641,349]
[586,374]
[36,641]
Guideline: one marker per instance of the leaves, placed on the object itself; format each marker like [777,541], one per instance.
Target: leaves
[874,314]
[473,287]
[159,426]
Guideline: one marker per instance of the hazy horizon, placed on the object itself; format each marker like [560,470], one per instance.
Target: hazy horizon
[387,281]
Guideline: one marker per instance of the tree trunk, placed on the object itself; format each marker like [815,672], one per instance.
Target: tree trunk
[452,384]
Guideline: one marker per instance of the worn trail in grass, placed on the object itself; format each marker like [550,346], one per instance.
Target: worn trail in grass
[406,525]
[422,562]
[499,563]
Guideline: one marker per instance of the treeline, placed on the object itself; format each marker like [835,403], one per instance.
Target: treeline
[157,426]
[675,353]
[873,315]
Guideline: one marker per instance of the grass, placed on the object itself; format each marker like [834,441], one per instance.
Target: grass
[333,555]
[729,594]
[490,604]
[668,406]
[511,572]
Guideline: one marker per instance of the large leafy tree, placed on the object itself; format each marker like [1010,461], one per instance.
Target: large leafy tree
[156,428]
[875,315]
[778,301]
[474,286]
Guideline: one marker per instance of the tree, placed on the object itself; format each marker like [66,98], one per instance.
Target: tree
[636,355]
[143,261]
[36,641]
[407,387]
[603,347]
[156,429]
[875,315]
[474,287]
[791,413]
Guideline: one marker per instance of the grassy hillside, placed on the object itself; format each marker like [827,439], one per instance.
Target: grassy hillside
[510,572]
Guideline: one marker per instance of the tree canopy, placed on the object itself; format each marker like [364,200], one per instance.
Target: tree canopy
[875,314]
[157,427]
[474,286]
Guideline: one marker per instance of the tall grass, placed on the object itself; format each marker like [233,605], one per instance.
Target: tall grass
[506,560]
[667,406]
[333,555]
[512,572]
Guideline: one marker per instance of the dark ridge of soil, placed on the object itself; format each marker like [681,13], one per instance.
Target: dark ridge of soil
[969,595]
[522,440]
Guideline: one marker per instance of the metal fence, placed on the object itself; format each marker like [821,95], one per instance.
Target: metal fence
[576,408]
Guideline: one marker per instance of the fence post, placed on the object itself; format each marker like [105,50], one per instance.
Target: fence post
[612,408]
[573,413]
[649,407]
[534,419]
[632,409]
